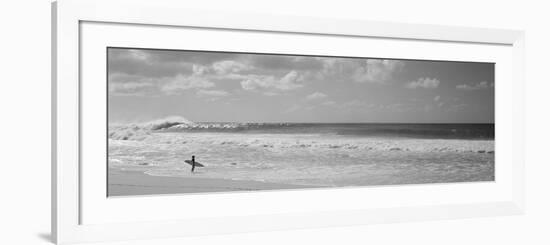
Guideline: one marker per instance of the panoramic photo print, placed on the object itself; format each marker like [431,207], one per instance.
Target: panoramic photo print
[184,121]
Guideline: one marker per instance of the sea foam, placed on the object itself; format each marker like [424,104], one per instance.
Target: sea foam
[328,160]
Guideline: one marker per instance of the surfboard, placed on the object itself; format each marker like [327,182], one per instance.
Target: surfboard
[197,164]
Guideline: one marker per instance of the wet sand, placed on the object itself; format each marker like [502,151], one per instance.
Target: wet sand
[131,183]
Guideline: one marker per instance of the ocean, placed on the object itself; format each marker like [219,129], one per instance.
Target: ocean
[313,154]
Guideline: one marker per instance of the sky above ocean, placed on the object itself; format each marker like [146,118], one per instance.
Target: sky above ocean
[203,86]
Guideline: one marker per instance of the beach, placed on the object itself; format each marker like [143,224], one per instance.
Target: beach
[132,183]
[150,159]
[273,121]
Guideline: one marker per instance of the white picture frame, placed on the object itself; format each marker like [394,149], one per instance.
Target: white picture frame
[70,198]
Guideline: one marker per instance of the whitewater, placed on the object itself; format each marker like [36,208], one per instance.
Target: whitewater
[330,154]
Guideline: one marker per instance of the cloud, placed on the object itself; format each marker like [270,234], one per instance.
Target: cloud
[199,69]
[328,103]
[316,95]
[424,82]
[290,81]
[136,54]
[437,100]
[377,70]
[181,83]
[283,62]
[162,63]
[121,84]
[123,78]
[182,56]
[229,66]
[212,93]
[130,88]
[143,63]
[360,70]
[478,86]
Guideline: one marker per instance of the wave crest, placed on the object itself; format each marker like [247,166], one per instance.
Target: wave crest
[166,122]
[139,131]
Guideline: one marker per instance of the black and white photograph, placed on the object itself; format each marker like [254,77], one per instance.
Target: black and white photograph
[188,121]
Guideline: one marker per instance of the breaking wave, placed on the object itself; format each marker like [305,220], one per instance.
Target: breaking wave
[309,136]
[307,153]
[139,131]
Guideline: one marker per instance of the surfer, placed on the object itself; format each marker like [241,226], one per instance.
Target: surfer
[193,163]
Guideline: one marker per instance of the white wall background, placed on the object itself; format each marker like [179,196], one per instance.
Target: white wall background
[25,126]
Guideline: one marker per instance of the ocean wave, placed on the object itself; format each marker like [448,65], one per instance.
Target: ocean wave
[312,143]
[175,124]
[443,146]
[301,153]
[140,131]
[227,126]
[163,123]
[431,131]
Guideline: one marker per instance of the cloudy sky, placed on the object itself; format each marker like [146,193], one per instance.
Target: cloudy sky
[236,87]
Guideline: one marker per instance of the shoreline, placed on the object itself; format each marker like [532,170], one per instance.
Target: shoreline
[134,183]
